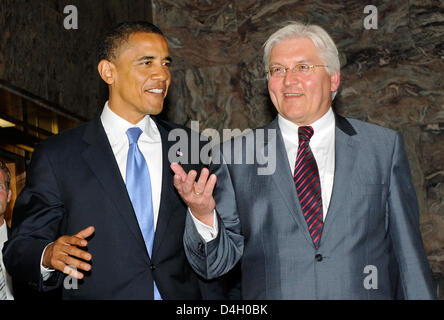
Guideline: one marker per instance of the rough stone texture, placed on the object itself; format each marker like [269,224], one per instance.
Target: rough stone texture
[391,76]
[39,55]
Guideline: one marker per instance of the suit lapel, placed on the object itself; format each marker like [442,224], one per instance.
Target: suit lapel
[346,149]
[283,180]
[167,205]
[100,158]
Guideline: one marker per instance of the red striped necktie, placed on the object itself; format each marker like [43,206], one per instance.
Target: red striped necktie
[308,185]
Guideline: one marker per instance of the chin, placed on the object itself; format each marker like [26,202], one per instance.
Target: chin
[155,110]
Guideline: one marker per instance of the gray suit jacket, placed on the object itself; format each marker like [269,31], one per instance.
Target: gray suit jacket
[371,246]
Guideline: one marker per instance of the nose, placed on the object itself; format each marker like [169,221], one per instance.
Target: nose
[160,73]
[291,77]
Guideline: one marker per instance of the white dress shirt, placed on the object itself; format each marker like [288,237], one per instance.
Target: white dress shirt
[322,144]
[3,239]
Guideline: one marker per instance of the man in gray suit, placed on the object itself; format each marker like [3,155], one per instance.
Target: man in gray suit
[335,218]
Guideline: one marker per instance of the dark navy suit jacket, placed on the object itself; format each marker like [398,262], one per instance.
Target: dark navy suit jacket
[74,182]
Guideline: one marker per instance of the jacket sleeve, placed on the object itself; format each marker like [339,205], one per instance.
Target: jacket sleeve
[402,206]
[218,256]
[37,216]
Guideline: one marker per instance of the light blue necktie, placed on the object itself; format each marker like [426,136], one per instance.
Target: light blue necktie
[138,184]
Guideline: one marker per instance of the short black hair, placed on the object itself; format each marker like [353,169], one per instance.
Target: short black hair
[7,174]
[119,34]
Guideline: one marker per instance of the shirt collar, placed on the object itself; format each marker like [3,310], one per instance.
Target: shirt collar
[116,127]
[321,127]
[3,232]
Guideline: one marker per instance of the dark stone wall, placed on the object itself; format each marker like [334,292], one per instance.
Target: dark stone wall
[40,56]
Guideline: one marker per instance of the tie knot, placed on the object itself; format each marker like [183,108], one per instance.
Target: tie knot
[305,133]
[133,134]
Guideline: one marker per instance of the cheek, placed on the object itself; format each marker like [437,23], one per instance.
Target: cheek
[310,85]
[168,84]
[273,90]
[314,90]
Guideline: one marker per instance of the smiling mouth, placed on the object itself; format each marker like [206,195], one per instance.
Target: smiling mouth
[293,94]
[156,90]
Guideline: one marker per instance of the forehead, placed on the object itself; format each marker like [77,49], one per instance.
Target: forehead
[143,43]
[300,49]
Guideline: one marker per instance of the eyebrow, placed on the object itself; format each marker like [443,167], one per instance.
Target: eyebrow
[168,58]
[305,61]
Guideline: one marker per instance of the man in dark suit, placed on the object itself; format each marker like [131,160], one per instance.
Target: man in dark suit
[99,202]
[326,211]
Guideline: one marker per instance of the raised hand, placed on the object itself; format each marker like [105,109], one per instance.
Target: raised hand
[198,195]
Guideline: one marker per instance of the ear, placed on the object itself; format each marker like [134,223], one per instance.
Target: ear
[335,81]
[9,196]
[106,70]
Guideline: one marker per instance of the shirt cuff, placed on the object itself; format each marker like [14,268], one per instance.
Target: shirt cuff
[208,233]
[45,272]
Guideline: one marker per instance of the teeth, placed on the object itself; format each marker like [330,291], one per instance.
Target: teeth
[293,94]
[156,90]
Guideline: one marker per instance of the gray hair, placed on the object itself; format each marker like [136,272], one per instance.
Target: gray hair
[321,39]
[7,174]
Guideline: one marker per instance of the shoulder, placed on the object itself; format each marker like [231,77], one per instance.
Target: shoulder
[371,131]
[365,127]
[68,140]
[373,138]
[169,126]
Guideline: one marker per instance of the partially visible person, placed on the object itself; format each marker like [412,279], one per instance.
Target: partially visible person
[6,292]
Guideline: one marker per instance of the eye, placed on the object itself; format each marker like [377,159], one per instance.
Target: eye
[166,63]
[277,70]
[146,62]
[303,67]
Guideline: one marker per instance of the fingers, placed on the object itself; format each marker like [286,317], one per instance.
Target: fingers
[178,170]
[64,254]
[182,181]
[198,195]
[85,233]
[199,186]
[76,252]
[180,177]
[209,187]
[72,272]
[188,184]
[71,266]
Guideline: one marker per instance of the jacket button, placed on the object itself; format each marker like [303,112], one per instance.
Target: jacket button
[152,267]
[318,257]
[201,247]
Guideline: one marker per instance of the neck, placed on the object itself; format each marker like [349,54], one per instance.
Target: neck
[2,220]
[124,114]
